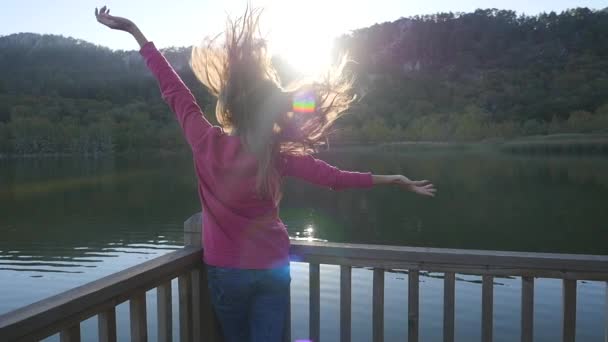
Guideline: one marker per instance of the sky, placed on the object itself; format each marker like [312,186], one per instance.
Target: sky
[290,25]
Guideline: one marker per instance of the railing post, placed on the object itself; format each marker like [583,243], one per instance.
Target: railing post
[487,307]
[71,334]
[137,310]
[345,302]
[106,325]
[164,309]
[378,306]
[203,322]
[527,309]
[184,283]
[569,314]
[413,305]
[449,289]
[192,231]
[314,301]
[189,302]
[196,303]
[606,316]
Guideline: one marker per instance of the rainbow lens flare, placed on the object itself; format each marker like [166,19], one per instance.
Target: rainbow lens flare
[304,103]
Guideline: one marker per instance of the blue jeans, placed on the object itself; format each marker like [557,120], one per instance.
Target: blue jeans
[251,305]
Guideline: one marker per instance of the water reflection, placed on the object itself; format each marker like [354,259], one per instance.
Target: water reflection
[486,201]
[65,222]
[308,234]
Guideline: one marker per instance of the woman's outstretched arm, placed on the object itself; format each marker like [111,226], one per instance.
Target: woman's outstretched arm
[173,90]
[318,172]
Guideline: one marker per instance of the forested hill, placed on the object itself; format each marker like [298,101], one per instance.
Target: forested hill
[67,67]
[465,76]
[479,75]
[65,95]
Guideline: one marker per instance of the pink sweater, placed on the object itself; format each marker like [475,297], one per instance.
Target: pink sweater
[240,229]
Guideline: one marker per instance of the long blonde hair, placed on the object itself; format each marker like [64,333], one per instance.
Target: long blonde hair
[252,104]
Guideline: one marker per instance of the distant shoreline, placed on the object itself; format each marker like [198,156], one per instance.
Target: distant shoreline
[538,144]
[573,144]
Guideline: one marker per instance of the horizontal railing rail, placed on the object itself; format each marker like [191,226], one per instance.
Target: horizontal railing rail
[545,265]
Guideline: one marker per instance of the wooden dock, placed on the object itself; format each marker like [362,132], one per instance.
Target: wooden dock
[64,312]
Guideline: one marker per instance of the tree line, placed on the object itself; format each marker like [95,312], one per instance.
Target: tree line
[445,77]
[487,74]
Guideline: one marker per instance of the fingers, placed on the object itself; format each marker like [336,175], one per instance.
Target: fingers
[100,12]
[430,193]
[420,183]
[104,11]
[427,190]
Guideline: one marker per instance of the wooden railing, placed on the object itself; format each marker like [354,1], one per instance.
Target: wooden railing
[64,312]
[488,264]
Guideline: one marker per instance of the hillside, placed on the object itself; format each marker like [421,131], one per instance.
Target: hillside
[485,74]
[444,77]
[64,95]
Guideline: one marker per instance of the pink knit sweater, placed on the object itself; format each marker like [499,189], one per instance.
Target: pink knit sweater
[241,230]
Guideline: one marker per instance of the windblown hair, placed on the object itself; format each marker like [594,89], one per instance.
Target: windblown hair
[253,105]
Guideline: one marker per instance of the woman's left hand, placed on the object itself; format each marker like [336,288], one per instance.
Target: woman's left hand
[423,187]
[116,23]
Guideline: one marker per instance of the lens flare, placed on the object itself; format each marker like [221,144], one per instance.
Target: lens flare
[304,103]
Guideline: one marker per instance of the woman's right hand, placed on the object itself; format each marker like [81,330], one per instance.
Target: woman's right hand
[423,187]
[116,23]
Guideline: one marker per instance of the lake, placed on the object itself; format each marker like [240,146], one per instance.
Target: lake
[67,221]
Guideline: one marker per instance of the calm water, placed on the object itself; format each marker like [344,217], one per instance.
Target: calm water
[65,222]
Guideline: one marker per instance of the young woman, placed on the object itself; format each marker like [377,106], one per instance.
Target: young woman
[263,138]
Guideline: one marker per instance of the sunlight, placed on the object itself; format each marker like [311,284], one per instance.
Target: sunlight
[302,34]
[296,48]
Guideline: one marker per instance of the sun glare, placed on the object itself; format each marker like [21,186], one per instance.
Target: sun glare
[307,52]
[302,35]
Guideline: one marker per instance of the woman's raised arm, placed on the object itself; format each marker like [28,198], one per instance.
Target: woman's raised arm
[122,24]
[173,90]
